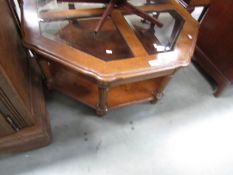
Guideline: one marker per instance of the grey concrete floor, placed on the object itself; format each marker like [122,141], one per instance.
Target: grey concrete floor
[189,132]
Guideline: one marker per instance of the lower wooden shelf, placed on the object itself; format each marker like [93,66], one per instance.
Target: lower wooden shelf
[86,91]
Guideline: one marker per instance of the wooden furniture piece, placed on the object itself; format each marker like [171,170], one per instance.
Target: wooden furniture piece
[127,62]
[214,52]
[24,121]
[190,5]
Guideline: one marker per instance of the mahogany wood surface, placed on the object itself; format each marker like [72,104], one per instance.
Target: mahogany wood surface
[215,44]
[77,70]
[23,116]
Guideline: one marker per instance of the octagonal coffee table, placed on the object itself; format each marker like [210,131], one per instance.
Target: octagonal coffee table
[128,61]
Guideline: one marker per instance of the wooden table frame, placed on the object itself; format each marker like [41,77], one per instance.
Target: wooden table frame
[108,75]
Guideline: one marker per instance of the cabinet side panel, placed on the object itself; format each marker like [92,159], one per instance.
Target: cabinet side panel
[12,54]
[216,36]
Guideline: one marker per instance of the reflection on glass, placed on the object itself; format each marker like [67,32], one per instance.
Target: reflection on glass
[107,45]
[53,5]
[153,38]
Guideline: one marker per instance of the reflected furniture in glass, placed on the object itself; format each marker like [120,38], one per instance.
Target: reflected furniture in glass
[190,5]
[128,61]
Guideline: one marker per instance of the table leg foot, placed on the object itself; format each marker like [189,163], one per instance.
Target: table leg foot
[220,90]
[101,111]
[102,107]
[157,96]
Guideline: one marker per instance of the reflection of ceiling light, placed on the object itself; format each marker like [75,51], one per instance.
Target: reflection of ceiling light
[154,13]
[159,48]
[31,54]
[40,19]
[109,52]
[167,48]
[165,58]
[31,17]
[190,36]
[152,2]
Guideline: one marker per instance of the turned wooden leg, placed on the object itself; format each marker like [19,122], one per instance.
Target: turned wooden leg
[102,107]
[157,96]
[45,69]
[158,93]
[220,88]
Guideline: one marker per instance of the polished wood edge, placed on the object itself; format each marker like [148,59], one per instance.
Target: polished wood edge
[108,79]
[205,63]
[35,136]
[35,43]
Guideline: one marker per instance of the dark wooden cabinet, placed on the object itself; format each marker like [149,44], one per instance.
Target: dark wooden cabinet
[214,51]
[23,117]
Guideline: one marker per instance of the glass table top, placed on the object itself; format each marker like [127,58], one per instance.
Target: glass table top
[109,44]
[126,47]
[153,38]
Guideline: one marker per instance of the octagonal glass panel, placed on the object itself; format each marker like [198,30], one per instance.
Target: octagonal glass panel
[153,38]
[107,45]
